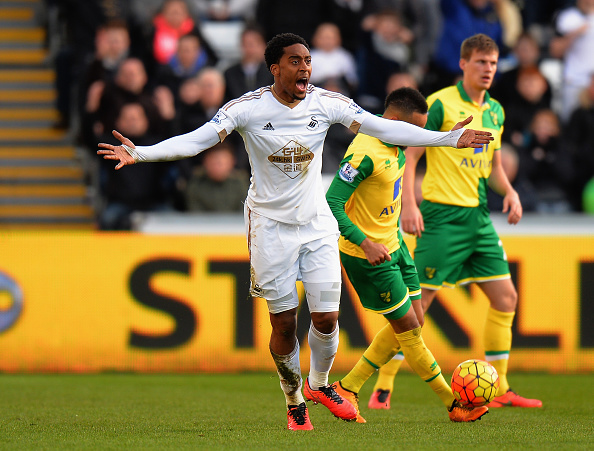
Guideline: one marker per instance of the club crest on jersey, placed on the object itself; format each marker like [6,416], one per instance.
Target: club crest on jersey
[292,159]
[494,118]
[219,117]
[357,108]
[386,297]
[430,272]
[313,123]
[347,173]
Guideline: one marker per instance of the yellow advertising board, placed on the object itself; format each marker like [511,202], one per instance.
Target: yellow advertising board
[130,302]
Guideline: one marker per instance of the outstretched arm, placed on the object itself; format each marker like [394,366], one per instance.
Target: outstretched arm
[176,148]
[404,134]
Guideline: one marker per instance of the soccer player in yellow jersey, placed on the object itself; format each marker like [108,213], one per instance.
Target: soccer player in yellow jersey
[456,241]
[365,197]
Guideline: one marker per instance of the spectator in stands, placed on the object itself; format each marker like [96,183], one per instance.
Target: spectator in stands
[172,22]
[532,94]
[525,54]
[301,18]
[422,17]
[330,59]
[401,80]
[510,162]
[545,163]
[112,46]
[575,44]
[578,137]
[189,58]
[148,187]
[347,15]
[385,48]
[537,15]
[250,72]
[216,186]
[200,99]
[72,38]
[105,100]
[461,18]
[225,10]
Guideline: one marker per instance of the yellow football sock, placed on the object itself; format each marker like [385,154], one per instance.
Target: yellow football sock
[498,340]
[383,347]
[422,361]
[387,373]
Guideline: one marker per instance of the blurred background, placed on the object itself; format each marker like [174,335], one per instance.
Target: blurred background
[146,269]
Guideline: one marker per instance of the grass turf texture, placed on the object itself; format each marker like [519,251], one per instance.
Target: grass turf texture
[246,411]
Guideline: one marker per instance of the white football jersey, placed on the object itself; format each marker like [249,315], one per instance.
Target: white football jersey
[284,143]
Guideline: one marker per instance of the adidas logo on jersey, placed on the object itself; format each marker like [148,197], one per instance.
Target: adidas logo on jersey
[268,127]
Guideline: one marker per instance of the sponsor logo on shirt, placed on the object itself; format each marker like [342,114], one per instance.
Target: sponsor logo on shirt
[357,108]
[347,173]
[219,117]
[268,126]
[292,159]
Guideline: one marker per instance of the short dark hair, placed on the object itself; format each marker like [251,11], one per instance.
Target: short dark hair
[479,42]
[275,49]
[406,101]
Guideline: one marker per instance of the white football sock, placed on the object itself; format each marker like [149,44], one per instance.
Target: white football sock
[289,372]
[323,349]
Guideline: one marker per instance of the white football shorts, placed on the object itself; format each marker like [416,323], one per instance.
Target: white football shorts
[281,254]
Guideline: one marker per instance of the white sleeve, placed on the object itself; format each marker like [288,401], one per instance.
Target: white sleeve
[402,133]
[178,147]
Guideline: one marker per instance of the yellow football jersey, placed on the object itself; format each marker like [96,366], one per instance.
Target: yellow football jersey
[460,176]
[368,190]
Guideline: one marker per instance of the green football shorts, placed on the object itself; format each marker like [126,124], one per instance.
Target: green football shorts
[387,288]
[459,246]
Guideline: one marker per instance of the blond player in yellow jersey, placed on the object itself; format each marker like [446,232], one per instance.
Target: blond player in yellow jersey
[365,198]
[456,241]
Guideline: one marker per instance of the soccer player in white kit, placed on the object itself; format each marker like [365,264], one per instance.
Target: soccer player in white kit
[291,232]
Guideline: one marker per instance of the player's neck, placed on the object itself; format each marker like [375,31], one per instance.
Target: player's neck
[476,95]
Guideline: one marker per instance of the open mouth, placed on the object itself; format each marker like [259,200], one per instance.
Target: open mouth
[302,84]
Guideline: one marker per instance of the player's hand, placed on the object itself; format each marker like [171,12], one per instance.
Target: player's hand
[411,220]
[462,124]
[511,203]
[375,253]
[470,137]
[118,153]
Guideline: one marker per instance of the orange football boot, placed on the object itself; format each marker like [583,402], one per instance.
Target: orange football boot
[327,396]
[380,399]
[512,399]
[461,414]
[351,397]
[299,418]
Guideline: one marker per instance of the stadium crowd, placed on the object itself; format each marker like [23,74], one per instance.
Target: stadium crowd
[156,68]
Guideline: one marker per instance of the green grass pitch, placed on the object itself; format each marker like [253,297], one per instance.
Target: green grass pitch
[246,411]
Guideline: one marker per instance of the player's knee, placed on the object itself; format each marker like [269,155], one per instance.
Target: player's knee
[284,324]
[324,322]
[421,319]
[506,301]
[512,299]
